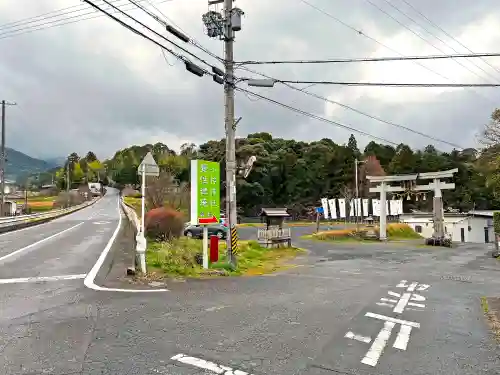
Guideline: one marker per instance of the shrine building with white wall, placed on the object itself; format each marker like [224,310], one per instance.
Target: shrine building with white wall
[472,227]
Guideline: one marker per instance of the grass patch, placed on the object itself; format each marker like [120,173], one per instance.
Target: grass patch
[484,305]
[395,232]
[39,204]
[133,202]
[179,258]
[492,314]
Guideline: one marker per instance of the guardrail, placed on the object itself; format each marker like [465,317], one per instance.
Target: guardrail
[131,215]
[12,221]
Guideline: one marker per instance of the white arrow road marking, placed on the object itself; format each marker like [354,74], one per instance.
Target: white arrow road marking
[353,336]
[211,366]
[42,279]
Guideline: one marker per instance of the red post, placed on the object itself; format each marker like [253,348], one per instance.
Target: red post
[214,249]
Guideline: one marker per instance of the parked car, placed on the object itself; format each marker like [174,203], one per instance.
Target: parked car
[196,231]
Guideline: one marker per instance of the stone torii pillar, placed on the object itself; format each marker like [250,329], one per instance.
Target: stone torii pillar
[383,188]
[437,202]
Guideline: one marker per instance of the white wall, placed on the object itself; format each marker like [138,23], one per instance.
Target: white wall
[476,233]
[453,226]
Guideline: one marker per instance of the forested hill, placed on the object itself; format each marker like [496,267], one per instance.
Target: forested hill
[297,174]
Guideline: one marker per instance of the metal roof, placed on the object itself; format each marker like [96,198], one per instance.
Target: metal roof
[276,212]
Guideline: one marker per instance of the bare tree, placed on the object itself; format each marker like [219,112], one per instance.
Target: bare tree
[490,135]
[348,194]
[179,197]
[165,190]
[157,189]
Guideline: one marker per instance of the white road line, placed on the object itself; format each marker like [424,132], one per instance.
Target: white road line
[353,336]
[39,242]
[206,365]
[403,301]
[372,356]
[56,220]
[41,279]
[90,279]
[403,337]
[393,320]
[416,304]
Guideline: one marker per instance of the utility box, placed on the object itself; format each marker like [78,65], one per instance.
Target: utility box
[236,19]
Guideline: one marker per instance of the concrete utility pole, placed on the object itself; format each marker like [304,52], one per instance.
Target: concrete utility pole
[232,217]
[2,159]
[224,26]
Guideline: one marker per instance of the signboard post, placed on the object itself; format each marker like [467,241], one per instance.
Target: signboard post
[205,198]
[148,167]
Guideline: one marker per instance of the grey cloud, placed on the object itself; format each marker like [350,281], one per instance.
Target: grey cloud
[74,96]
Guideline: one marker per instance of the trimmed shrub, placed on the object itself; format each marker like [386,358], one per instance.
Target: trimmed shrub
[496,222]
[163,224]
[401,230]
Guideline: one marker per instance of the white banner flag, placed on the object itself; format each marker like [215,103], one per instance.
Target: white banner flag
[341,207]
[333,208]
[400,207]
[365,207]
[393,204]
[324,203]
[358,206]
[376,207]
[351,208]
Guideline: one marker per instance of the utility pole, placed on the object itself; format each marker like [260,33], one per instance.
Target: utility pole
[223,26]
[230,130]
[67,183]
[2,159]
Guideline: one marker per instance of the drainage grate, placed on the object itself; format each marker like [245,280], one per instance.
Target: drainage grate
[462,279]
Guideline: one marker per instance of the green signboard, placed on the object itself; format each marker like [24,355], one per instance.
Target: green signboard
[205,192]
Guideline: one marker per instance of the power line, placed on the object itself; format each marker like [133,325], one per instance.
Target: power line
[310,115]
[369,59]
[437,37]
[384,84]
[156,33]
[192,40]
[189,66]
[417,34]
[169,28]
[19,29]
[359,32]
[309,93]
[447,34]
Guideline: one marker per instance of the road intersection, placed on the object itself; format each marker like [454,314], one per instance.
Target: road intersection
[353,309]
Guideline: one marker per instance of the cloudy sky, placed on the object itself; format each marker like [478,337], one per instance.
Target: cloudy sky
[94,85]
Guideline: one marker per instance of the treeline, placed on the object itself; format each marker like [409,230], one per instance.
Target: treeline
[81,170]
[298,174]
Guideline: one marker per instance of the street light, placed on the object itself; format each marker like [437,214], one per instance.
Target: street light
[261,82]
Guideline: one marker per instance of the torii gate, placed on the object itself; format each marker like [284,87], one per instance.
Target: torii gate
[436,185]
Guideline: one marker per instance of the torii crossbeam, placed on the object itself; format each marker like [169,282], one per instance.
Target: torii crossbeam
[436,185]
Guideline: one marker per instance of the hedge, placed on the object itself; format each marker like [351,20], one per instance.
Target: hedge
[496,222]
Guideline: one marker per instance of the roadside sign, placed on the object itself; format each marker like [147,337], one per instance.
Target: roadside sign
[149,166]
[319,210]
[205,192]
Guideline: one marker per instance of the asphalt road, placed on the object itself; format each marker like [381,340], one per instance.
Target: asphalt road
[294,322]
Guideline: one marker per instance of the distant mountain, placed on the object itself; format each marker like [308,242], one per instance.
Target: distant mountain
[19,164]
[57,162]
